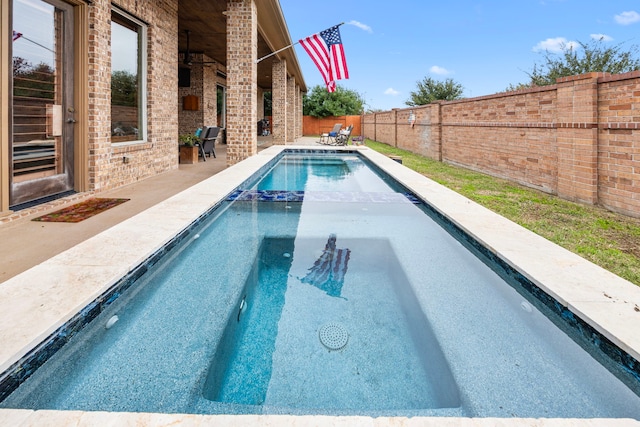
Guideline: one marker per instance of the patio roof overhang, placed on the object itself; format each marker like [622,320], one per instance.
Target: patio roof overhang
[207,24]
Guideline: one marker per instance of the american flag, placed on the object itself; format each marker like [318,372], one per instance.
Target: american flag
[16,35]
[327,52]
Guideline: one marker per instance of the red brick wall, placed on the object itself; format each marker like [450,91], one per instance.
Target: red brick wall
[579,139]
[419,129]
[619,143]
[507,135]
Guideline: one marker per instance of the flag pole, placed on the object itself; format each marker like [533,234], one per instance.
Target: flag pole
[277,51]
[286,47]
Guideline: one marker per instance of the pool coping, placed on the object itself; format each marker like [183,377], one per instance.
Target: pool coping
[37,302]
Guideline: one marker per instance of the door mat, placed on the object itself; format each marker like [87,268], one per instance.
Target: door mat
[80,211]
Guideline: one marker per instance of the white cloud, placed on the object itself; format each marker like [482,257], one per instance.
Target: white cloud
[362,26]
[439,70]
[626,18]
[391,91]
[555,45]
[603,37]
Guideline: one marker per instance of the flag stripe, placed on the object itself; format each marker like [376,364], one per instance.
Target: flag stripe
[342,63]
[317,49]
[339,65]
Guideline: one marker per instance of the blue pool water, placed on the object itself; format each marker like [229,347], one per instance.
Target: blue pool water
[234,320]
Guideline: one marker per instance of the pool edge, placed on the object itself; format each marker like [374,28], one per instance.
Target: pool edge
[25,418]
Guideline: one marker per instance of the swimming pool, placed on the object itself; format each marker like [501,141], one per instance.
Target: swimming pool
[450,301]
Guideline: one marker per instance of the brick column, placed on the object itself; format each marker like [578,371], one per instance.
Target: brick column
[291,109]
[209,95]
[577,137]
[279,101]
[260,105]
[375,127]
[242,74]
[99,104]
[298,132]
[394,120]
[435,124]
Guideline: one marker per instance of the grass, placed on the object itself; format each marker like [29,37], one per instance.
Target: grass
[607,239]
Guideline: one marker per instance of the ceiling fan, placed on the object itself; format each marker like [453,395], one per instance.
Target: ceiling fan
[188,56]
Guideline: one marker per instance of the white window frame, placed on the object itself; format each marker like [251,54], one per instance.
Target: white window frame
[142,64]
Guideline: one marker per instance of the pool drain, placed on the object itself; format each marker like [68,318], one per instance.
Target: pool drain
[333,336]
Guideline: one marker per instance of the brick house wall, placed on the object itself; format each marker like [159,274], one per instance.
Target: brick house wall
[107,168]
[203,85]
[103,161]
[190,120]
[210,92]
[578,139]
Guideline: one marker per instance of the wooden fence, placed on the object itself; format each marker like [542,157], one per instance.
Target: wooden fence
[315,126]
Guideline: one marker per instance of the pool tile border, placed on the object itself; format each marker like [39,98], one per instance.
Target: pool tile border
[319,196]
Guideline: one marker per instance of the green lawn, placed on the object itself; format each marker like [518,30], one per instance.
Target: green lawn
[605,238]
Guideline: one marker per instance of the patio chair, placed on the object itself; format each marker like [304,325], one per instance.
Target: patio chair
[343,136]
[330,137]
[208,141]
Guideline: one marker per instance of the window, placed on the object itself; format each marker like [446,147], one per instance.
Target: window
[221,95]
[128,78]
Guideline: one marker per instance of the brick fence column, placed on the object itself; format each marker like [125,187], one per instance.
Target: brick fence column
[375,126]
[394,120]
[242,75]
[435,120]
[279,101]
[577,137]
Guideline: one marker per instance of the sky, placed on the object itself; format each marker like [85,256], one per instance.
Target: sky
[484,45]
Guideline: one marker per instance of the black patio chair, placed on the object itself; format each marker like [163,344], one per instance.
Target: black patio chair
[208,141]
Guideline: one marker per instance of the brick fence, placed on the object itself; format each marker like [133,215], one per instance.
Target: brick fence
[578,139]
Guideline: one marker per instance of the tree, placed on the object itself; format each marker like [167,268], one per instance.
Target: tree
[343,102]
[33,81]
[124,88]
[266,99]
[585,58]
[430,90]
